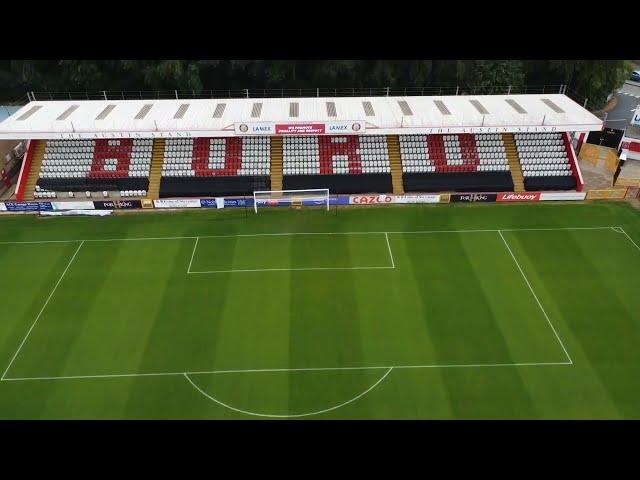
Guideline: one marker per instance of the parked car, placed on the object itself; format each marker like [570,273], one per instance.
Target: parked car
[635,75]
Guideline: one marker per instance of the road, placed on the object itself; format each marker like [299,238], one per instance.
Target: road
[628,99]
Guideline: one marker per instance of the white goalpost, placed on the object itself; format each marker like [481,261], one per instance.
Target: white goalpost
[293,198]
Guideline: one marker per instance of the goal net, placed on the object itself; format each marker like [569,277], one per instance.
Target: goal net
[293,198]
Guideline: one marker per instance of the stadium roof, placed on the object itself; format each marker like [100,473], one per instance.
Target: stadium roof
[223,117]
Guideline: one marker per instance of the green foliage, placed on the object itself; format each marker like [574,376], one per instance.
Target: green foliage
[592,79]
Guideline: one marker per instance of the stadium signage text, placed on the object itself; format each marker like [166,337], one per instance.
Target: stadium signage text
[518,197]
[474,197]
[177,203]
[217,202]
[417,199]
[312,128]
[370,199]
[117,204]
[27,206]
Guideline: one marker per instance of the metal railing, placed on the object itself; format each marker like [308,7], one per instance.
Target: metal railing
[292,93]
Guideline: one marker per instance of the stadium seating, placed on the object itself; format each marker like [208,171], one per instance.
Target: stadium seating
[96,165]
[544,161]
[462,162]
[343,164]
[215,166]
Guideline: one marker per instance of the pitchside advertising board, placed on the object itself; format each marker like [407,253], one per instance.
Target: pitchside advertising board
[311,128]
[177,203]
[389,199]
[518,197]
[117,204]
[27,206]
[473,197]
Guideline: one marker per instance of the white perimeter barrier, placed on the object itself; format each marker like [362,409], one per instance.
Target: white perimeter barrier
[562,196]
[91,213]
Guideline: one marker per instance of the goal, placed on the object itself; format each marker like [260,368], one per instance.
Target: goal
[293,198]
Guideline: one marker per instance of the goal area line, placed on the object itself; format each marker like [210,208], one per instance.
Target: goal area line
[296,269]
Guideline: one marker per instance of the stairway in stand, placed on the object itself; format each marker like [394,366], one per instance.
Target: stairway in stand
[34,170]
[393,146]
[155,174]
[276,163]
[514,162]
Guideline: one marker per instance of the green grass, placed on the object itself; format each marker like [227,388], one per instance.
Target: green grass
[416,312]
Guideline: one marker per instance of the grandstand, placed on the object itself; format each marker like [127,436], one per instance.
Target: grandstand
[420,311]
[232,147]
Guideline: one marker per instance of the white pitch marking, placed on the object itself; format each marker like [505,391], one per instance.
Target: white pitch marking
[294,269]
[195,245]
[191,237]
[632,241]
[297,415]
[536,297]
[41,310]
[393,264]
[273,370]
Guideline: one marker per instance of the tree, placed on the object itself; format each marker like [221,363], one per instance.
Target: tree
[592,79]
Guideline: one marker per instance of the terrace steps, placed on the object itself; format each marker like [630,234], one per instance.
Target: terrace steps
[276,163]
[34,170]
[514,162]
[395,162]
[155,174]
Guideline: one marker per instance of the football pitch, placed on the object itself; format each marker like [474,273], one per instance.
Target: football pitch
[425,312]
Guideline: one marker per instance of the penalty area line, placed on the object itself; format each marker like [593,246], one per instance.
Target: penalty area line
[631,239]
[536,297]
[41,310]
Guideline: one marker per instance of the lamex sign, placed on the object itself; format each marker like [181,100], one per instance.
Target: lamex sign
[519,197]
[310,128]
[255,128]
[473,197]
[370,199]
